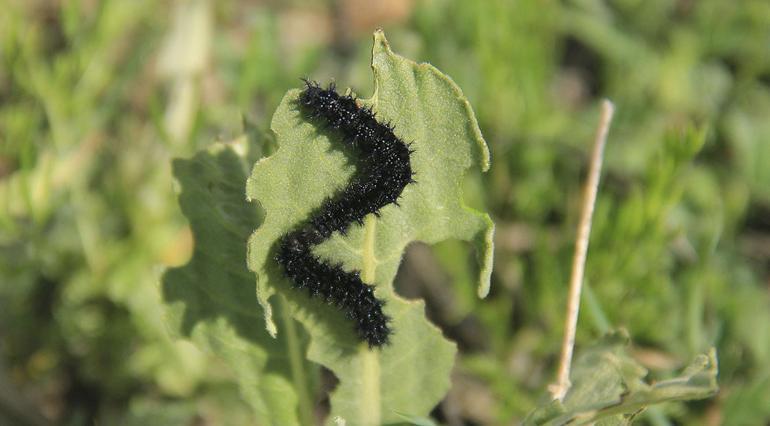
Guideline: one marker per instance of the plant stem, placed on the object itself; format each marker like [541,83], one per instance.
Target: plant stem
[560,388]
[296,358]
[370,359]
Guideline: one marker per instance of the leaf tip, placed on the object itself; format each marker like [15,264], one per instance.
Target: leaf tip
[380,47]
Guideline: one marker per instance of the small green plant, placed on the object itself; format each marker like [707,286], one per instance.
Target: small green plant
[276,338]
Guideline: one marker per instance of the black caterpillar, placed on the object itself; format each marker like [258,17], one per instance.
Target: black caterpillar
[384,169]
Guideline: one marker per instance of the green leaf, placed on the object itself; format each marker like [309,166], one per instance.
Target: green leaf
[608,387]
[412,373]
[212,300]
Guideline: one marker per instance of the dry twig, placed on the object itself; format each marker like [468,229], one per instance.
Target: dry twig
[560,388]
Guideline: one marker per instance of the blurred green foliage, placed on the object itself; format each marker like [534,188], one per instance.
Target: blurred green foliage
[97,97]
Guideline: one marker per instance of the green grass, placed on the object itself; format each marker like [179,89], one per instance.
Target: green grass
[96,98]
